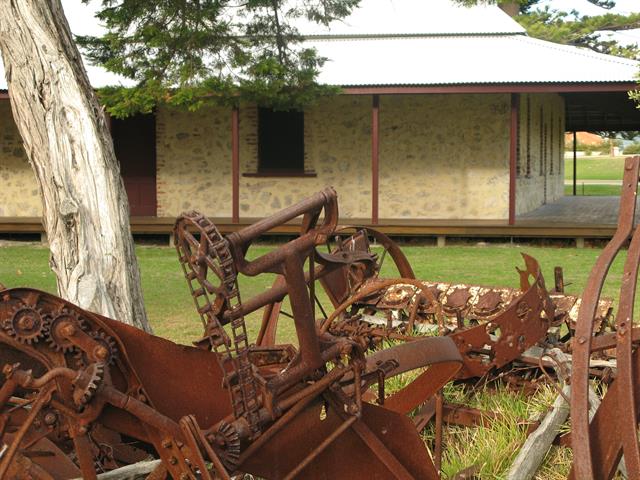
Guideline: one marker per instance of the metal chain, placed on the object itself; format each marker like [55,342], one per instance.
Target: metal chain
[236,367]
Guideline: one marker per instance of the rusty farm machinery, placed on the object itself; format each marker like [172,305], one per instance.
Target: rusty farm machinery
[84,396]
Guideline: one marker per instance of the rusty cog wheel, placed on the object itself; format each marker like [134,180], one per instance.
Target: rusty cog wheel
[86,385]
[27,324]
[107,342]
[226,443]
[55,338]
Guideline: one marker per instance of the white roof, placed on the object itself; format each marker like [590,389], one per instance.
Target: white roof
[448,60]
[422,42]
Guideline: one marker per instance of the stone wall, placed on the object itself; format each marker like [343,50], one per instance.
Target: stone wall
[540,171]
[441,157]
[19,191]
[194,161]
[337,151]
[444,156]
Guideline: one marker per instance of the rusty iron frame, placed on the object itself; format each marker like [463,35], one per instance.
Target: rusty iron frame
[598,446]
[93,373]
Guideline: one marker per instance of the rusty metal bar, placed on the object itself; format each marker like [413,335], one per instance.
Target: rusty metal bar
[580,438]
[302,308]
[42,399]
[321,448]
[628,410]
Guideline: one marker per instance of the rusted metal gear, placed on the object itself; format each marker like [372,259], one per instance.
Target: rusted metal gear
[27,324]
[104,340]
[87,383]
[55,337]
[226,443]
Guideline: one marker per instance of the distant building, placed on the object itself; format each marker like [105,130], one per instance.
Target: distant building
[585,138]
[445,113]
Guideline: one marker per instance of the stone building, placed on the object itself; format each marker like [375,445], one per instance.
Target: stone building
[446,113]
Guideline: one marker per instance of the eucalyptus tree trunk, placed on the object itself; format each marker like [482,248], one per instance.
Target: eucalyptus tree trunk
[65,134]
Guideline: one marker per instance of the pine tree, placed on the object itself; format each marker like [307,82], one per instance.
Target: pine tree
[192,52]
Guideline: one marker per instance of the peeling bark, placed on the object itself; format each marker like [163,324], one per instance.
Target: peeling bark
[65,134]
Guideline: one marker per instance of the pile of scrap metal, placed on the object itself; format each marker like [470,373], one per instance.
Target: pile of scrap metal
[83,394]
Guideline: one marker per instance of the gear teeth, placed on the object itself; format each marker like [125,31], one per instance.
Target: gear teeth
[84,393]
[60,344]
[27,324]
[93,385]
[106,341]
[230,452]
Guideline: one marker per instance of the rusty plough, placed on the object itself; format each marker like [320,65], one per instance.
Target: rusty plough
[83,394]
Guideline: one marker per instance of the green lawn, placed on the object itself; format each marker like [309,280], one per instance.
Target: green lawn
[595,168]
[593,190]
[492,448]
[172,314]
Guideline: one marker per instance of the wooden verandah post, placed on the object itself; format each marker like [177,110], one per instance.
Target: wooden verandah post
[513,155]
[235,165]
[575,163]
[375,157]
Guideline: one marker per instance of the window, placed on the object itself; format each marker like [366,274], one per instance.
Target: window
[280,142]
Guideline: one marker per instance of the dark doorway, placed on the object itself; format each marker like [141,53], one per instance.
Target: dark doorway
[134,140]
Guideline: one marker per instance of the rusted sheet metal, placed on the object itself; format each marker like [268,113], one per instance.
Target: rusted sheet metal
[83,394]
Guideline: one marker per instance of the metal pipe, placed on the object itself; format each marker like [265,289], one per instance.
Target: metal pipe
[82,448]
[140,410]
[250,233]
[302,309]
[274,294]
[275,428]
[438,448]
[41,401]
[333,376]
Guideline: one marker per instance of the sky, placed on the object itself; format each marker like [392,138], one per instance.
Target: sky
[81,17]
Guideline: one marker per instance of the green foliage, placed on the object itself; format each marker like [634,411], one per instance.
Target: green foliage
[582,31]
[635,94]
[571,28]
[189,53]
[632,149]
[587,148]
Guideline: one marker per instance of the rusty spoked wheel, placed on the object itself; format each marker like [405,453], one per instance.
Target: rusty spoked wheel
[419,291]
[344,282]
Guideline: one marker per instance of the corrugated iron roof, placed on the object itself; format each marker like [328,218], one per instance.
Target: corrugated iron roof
[453,60]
